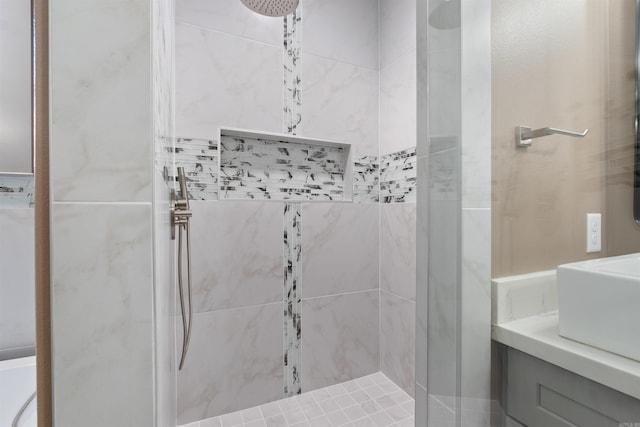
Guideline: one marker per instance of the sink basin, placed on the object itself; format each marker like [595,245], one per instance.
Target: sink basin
[599,303]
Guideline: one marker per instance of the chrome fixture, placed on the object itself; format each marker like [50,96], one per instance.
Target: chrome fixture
[524,135]
[180,215]
[272,7]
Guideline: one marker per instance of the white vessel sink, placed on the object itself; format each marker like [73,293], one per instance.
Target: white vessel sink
[599,303]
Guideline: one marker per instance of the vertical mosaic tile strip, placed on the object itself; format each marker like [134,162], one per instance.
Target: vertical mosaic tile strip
[16,191]
[398,177]
[254,168]
[291,58]
[366,179]
[199,157]
[292,306]
[306,180]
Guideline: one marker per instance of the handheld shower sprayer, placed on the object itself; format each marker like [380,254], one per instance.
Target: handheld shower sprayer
[180,215]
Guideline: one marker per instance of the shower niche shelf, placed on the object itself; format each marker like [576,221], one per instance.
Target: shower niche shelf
[268,166]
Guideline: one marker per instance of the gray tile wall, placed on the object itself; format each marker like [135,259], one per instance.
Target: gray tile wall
[398,292]
[340,338]
[398,165]
[110,111]
[339,248]
[234,361]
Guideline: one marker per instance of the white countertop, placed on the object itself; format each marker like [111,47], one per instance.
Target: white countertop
[538,336]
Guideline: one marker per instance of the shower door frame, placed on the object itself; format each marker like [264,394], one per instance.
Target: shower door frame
[42,203]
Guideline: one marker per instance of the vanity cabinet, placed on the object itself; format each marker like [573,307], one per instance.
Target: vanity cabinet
[542,394]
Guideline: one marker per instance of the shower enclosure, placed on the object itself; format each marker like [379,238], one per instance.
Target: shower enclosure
[299,149]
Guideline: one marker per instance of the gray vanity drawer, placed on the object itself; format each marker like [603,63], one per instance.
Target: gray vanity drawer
[541,394]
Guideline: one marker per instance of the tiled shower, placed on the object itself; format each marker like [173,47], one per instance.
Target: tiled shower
[344,268]
[294,292]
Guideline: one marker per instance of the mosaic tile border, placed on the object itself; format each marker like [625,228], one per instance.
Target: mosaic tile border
[389,180]
[292,298]
[292,211]
[291,57]
[199,157]
[398,176]
[366,180]
[257,168]
[17,191]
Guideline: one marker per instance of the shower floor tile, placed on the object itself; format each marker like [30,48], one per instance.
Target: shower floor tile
[373,400]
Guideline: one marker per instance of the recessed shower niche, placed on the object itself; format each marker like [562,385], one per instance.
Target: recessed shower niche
[267,166]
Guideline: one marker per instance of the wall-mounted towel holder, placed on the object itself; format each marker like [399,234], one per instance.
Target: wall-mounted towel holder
[525,136]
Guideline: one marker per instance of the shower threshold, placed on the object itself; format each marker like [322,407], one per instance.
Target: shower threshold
[373,400]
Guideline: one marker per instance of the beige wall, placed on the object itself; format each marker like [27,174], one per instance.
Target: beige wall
[549,68]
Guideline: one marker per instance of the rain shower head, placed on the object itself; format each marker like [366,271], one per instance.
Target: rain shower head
[272,7]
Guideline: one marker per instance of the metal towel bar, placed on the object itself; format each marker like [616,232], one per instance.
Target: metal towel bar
[525,135]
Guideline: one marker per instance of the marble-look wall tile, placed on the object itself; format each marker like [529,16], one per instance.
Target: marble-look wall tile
[234,362]
[230,17]
[353,37]
[422,78]
[397,30]
[340,103]
[236,254]
[16,192]
[475,327]
[398,249]
[442,298]
[475,182]
[98,152]
[225,80]
[398,103]
[340,248]
[476,106]
[422,279]
[444,93]
[17,285]
[163,41]
[163,28]
[102,326]
[525,295]
[340,338]
[398,172]
[398,340]
[164,307]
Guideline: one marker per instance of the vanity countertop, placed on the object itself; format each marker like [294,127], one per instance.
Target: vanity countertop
[537,334]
